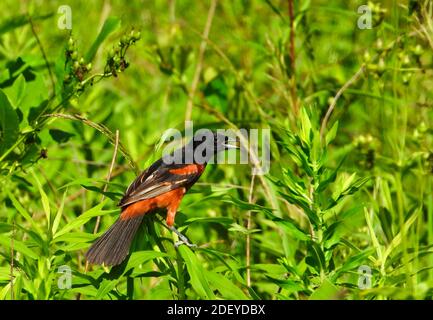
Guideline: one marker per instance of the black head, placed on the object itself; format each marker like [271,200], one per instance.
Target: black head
[214,141]
[206,144]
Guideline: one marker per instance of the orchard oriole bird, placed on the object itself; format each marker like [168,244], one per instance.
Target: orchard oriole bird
[161,186]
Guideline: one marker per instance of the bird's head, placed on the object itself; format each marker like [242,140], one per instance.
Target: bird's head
[214,141]
[205,144]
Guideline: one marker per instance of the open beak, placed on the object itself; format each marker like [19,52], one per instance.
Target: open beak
[232,143]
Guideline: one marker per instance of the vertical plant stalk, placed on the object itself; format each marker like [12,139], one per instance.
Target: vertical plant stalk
[180,276]
[12,261]
[337,96]
[110,171]
[130,287]
[113,160]
[248,244]
[41,48]
[404,231]
[172,10]
[293,57]
[199,67]
[311,194]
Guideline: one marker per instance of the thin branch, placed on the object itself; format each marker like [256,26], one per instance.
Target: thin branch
[337,96]
[50,184]
[172,10]
[81,161]
[104,130]
[110,171]
[113,161]
[43,52]
[423,32]
[248,244]
[221,185]
[199,67]
[12,261]
[293,57]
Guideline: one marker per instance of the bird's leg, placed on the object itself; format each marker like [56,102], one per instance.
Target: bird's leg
[183,239]
[171,213]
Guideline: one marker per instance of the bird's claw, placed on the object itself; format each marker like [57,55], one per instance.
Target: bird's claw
[182,239]
[189,244]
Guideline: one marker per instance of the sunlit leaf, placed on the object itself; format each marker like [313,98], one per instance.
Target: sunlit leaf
[199,281]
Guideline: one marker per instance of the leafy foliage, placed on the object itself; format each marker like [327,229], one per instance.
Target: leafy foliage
[342,195]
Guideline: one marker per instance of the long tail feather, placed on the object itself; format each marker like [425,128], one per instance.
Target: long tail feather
[113,246]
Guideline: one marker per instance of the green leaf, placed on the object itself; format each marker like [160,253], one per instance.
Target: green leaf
[354,262]
[105,287]
[196,272]
[9,124]
[302,202]
[36,111]
[59,72]
[306,131]
[58,216]
[396,241]
[4,291]
[327,291]
[275,269]
[5,227]
[23,211]
[346,184]
[332,234]
[291,228]
[86,181]
[247,206]
[111,195]
[19,21]
[44,199]
[329,177]
[216,93]
[235,227]
[5,273]
[385,218]
[287,284]
[15,93]
[347,187]
[330,136]
[141,257]
[298,153]
[357,185]
[60,136]
[83,218]
[316,257]
[19,246]
[227,288]
[221,220]
[110,25]
[75,237]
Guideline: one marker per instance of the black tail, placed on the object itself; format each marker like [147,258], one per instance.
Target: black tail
[113,246]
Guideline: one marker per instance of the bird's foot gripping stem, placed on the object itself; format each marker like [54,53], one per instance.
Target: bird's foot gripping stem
[182,239]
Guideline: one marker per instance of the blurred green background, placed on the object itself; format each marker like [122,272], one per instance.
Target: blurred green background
[346,211]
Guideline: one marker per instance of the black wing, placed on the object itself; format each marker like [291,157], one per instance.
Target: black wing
[157,180]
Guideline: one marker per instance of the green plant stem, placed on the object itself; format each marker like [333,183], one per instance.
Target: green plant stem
[180,276]
[293,57]
[47,64]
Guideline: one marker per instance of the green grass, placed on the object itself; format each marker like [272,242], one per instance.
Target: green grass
[346,192]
